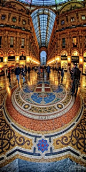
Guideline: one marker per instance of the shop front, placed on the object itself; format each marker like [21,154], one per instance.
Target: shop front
[11,58]
[75,58]
[64,61]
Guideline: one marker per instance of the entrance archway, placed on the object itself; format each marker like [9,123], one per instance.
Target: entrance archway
[43,57]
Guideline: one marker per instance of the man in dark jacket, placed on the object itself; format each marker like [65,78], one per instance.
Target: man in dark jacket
[48,71]
[17,72]
[76,74]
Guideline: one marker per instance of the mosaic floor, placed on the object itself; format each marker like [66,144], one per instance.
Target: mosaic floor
[40,121]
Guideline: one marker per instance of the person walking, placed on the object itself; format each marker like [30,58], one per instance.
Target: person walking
[48,71]
[17,73]
[62,74]
[28,69]
[25,69]
[39,71]
[9,76]
[23,73]
[29,72]
[75,83]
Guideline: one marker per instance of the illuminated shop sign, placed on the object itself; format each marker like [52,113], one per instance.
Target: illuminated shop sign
[75,59]
[11,58]
[22,57]
[63,57]
[84,59]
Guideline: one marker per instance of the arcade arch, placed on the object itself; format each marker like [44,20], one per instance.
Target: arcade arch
[43,57]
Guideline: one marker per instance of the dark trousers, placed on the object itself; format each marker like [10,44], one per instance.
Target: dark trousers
[48,74]
[75,86]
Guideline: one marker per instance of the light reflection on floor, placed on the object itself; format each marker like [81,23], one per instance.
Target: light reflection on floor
[32,80]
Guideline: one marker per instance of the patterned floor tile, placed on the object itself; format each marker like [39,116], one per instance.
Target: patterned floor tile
[47,126]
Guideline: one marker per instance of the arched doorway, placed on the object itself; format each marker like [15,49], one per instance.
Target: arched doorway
[43,57]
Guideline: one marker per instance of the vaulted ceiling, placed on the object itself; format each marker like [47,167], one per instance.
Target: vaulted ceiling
[43,20]
[43,17]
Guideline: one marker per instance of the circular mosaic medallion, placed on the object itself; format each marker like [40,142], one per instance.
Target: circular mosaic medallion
[42,94]
[42,102]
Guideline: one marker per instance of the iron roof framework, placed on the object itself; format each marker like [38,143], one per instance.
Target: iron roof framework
[43,2]
[43,21]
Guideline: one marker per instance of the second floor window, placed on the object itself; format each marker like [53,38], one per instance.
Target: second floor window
[83,17]
[24,22]
[63,42]
[74,42]
[11,41]
[22,42]
[3,17]
[72,19]
[62,22]
[14,19]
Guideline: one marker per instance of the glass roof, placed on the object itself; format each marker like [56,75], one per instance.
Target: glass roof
[43,21]
[43,2]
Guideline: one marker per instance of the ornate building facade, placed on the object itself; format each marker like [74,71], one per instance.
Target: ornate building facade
[18,42]
[68,39]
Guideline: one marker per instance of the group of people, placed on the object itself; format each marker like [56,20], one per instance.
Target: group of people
[47,69]
[41,70]
[23,71]
[75,75]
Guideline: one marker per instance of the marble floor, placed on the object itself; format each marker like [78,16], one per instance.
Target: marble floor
[40,121]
